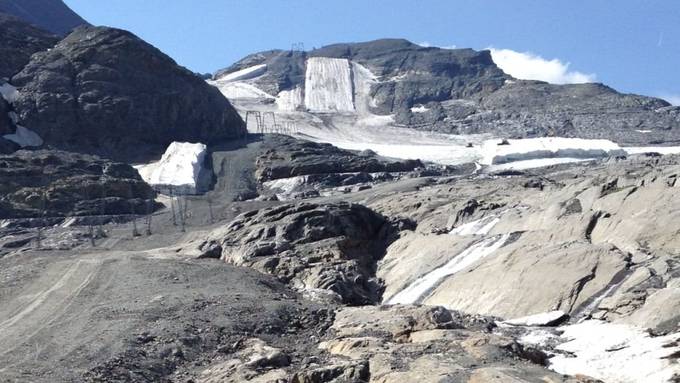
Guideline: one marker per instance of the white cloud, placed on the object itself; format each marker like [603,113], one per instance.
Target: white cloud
[672,98]
[529,66]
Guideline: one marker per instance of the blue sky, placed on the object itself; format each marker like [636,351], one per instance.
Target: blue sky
[631,45]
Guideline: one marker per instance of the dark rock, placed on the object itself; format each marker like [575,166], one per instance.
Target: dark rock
[332,246]
[105,91]
[288,157]
[6,125]
[18,41]
[50,15]
[58,184]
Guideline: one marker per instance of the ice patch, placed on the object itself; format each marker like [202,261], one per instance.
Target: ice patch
[9,93]
[616,353]
[69,222]
[542,319]
[24,137]
[549,147]
[653,149]
[479,227]
[328,85]
[179,168]
[416,290]
[419,109]
[290,100]
[244,74]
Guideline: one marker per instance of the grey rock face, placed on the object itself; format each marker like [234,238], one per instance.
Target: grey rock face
[314,247]
[288,157]
[5,122]
[51,15]
[59,184]
[18,41]
[105,91]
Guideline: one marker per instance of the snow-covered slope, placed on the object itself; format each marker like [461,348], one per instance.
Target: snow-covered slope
[178,170]
[328,85]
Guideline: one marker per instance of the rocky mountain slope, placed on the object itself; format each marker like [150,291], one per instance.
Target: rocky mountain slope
[105,91]
[18,41]
[50,15]
[458,91]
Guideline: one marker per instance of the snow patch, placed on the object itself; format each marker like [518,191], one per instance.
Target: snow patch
[24,137]
[179,168]
[328,85]
[548,147]
[416,290]
[542,319]
[419,109]
[290,100]
[244,74]
[479,227]
[286,187]
[653,149]
[239,90]
[9,93]
[616,353]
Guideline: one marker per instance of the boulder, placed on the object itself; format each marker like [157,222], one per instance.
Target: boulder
[105,91]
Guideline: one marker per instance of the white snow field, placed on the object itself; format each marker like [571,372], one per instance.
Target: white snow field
[179,168]
[24,137]
[239,90]
[616,353]
[328,85]
[416,290]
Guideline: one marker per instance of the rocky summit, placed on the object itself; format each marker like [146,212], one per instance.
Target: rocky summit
[51,15]
[105,91]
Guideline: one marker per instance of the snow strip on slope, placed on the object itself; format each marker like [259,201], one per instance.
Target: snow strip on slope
[9,93]
[328,85]
[179,167]
[542,319]
[616,353]
[244,74]
[239,90]
[286,187]
[653,149]
[24,137]
[481,226]
[415,291]
[547,147]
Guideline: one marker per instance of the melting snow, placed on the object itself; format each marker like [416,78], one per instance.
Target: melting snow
[24,137]
[653,149]
[548,147]
[290,100]
[239,90]
[244,74]
[328,85]
[542,319]
[419,109]
[479,227]
[285,186]
[179,167]
[616,353]
[415,291]
[9,93]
